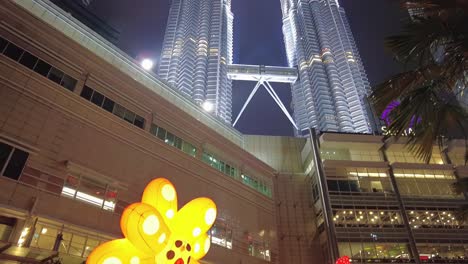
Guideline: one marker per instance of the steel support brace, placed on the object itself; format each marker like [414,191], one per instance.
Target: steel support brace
[273,95]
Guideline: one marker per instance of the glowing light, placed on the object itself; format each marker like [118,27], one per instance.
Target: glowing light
[151,225]
[343,260]
[135,260]
[207,244]
[162,238]
[112,260]
[23,236]
[44,231]
[145,221]
[168,192]
[170,213]
[210,216]
[208,106]
[196,232]
[147,64]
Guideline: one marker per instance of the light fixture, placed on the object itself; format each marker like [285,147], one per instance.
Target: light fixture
[147,64]
[208,106]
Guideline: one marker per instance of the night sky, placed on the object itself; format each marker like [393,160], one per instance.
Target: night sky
[257,40]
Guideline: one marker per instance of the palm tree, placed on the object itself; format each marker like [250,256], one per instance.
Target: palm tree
[433,47]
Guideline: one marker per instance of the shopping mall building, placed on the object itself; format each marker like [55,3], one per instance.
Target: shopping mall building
[83,129]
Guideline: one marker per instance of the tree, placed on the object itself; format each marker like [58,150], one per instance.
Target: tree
[433,47]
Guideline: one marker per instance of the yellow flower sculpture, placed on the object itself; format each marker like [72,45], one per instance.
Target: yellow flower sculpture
[156,232]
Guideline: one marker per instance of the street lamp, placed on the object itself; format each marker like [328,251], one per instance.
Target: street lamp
[208,106]
[147,64]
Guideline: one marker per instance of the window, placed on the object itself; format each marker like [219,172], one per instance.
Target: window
[97,99]
[87,93]
[110,106]
[13,52]
[32,62]
[90,191]
[219,165]
[381,252]
[426,183]
[68,82]
[12,161]
[221,235]
[260,250]
[55,75]
[173,140]
[436,218]
[28,60]
[42,68]
[256,184]
[3,44]
[367,217]
[73,243]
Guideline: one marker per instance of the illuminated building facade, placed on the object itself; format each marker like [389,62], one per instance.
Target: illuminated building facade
[196,50]
[378,203]
[83,130]
[332,87]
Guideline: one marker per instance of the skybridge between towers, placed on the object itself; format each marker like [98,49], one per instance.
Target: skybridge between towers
[263,76]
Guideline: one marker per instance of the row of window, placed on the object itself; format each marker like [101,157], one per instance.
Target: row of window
[256,184]
[392,252]
[220,165]
[374,155]
[260,250]
[79,245]
[12,161]
[231,171]
[110,106]
[173,140]
[90,191]
[34,63]
[392,218]
[221,236]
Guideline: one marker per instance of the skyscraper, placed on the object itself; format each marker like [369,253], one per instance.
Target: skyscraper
[330,94]
[196,50]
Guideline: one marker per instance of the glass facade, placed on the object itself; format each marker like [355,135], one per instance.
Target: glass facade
[73,243]
[330,94]
[359,180]
[369,222]
[374,252]
[426,183]
[350,154]
[405,156]
[197,47]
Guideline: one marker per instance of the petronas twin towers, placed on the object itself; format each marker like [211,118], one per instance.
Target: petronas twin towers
[329,93]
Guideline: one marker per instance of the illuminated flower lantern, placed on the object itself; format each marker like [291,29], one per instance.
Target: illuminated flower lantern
[343,260]
[157,232]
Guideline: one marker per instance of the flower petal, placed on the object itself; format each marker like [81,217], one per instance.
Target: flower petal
[195,218]
[161,194]
[145,228]
[201,246]
[119,251]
